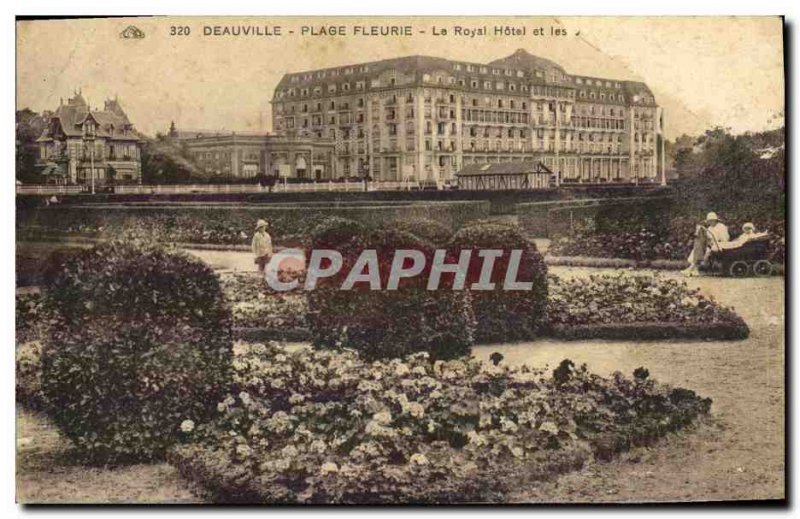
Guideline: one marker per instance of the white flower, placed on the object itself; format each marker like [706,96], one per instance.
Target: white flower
[328,468]
[401,370]
[418,459]
[243,450]
[476,439]
[549,427]
[290,451]
[318,446]
[187,426]
[384,417]
[416,410]
[244,397]
[419,370]
[508,425]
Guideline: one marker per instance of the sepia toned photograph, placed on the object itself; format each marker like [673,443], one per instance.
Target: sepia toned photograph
[400,260]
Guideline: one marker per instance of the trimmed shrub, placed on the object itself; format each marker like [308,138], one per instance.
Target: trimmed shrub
[308,426]
[385,323]
[140,341]
[429,230]
[504,315]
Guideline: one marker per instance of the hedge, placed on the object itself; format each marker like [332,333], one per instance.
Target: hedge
[140,340]
[231,224]
[614,263]
[501,202]
[653,331]
[546,218]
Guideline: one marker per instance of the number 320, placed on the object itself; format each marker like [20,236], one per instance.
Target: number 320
[179,30]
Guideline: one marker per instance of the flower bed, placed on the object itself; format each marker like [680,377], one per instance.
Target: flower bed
[309,426]
[622,307]
[637,307]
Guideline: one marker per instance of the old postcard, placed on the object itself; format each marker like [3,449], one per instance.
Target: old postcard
[400,260]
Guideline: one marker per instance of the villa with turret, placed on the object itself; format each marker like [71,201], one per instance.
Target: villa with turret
[85,146]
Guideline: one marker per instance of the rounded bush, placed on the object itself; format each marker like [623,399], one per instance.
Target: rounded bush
[425,228]
[504,315]
[140,340]
[385,323]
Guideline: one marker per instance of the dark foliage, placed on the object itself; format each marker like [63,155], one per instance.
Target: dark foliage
[140,340]
[384,323]
[740,177]
[504,315]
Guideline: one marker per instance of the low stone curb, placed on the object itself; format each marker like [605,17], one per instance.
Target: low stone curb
[653,331]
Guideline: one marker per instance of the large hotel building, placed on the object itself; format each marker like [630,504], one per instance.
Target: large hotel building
[424,118]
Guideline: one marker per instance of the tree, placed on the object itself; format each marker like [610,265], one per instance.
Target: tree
[29,126]
[165,162]
[742,173]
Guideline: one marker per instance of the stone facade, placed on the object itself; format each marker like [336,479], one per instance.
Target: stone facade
[424,118]
[249,155]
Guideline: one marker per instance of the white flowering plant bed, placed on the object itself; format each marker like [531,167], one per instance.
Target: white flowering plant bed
[608,306]
[310,426]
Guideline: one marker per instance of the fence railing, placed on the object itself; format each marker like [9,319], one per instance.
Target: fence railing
[48,190]
[223,188]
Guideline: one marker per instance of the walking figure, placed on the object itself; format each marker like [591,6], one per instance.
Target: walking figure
[262,245]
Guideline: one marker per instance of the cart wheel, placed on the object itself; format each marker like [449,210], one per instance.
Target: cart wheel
[739,269]
[762,268]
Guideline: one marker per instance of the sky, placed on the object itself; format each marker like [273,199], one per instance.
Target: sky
[704,71]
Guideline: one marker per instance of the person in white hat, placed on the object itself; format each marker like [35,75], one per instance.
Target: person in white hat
[262,245]
[712,236]
[717,230]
